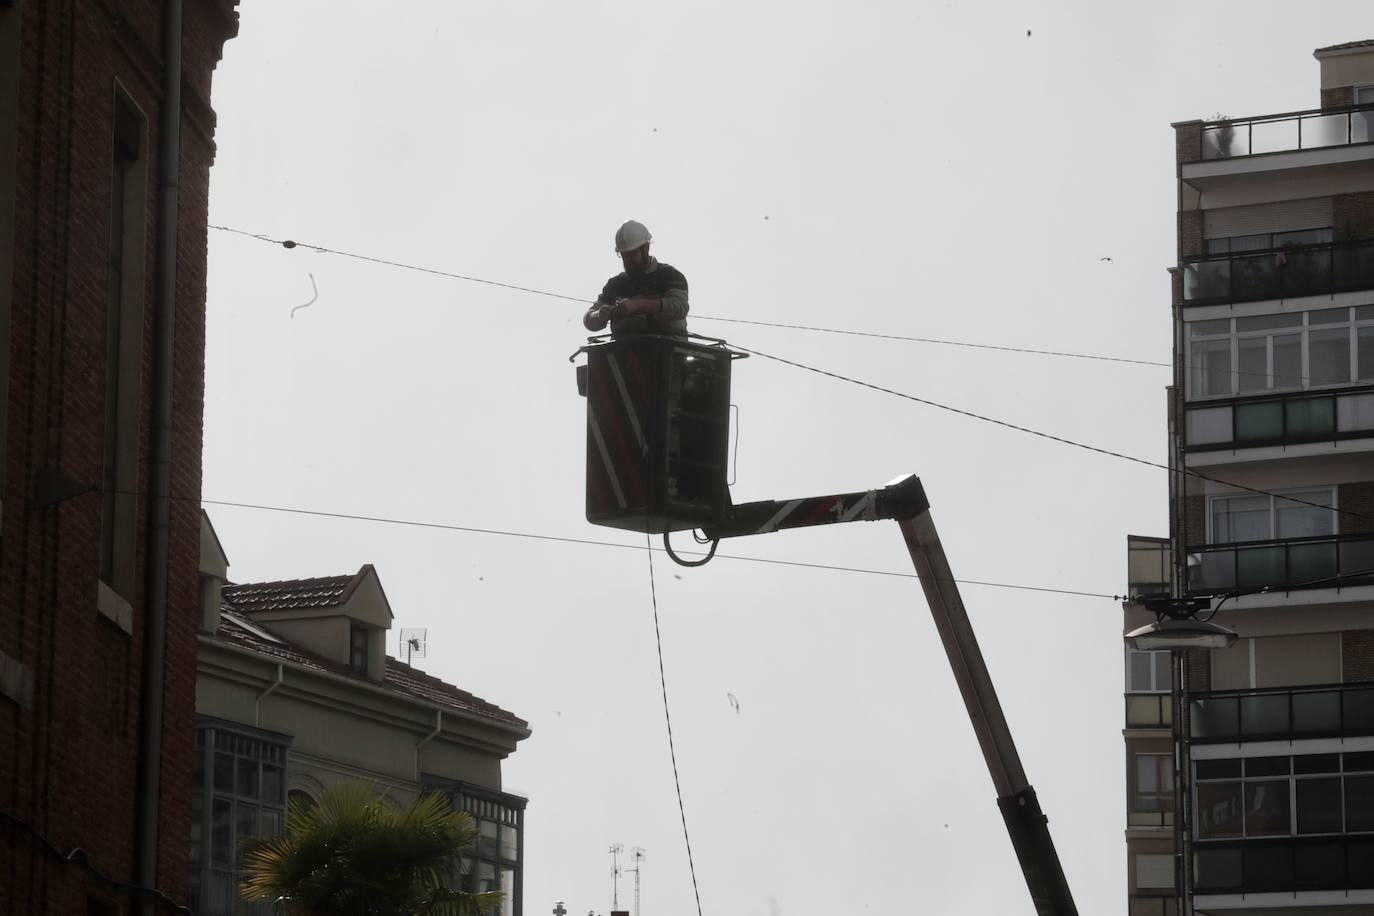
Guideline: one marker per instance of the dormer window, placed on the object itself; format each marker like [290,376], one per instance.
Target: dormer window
[357,650]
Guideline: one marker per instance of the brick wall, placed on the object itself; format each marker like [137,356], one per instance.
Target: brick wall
[68,764]
[1194,520]
[1341,95]
[1352,216]
[1199,663]
[1190,242]
[1357,655]
[1356,500]
[1188,142]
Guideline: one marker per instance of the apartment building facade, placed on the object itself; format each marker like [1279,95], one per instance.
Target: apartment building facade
[1250,769]
[106,142]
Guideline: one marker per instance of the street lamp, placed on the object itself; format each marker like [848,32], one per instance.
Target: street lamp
[1177,627]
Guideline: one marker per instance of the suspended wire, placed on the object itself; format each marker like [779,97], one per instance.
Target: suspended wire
[1044,435]
[672,752]
[288,243]
[592,543]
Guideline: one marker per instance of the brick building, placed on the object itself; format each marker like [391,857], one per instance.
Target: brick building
[106,141]
[1250,769]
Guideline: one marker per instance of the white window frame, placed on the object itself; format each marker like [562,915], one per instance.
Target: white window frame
[1293,778]
[1355,322]
[1154,687]
[1273,512]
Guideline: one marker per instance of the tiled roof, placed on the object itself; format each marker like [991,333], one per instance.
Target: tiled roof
[241,630]
[1367,43]
[252,597]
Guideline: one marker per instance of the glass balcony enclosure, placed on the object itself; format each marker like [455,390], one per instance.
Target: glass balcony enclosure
[1279,273]
[1281,420]
[1279,133]
[1282,714]
[1287,564]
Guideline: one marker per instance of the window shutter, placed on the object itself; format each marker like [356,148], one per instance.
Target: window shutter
[1285,216]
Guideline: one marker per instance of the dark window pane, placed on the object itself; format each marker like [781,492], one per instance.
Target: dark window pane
[1259,422]
[1317,713]
[1359,862]
[1320,867]
[1268,868]
[1359,804]
[1319,805]
[1266,766]
[1216,718]
[1264,714]
[1355,763]
[1216,869]
[224,773]
[1357,712]
[1226,768]
[221,833]
[247,779]
[1317,763]
[271,785]
[1266,808]
[1260,566]
[245,825]
[1218,810]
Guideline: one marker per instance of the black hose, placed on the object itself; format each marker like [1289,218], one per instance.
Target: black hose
[667,546]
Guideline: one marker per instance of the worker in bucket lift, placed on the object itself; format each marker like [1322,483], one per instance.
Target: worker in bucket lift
[649,297]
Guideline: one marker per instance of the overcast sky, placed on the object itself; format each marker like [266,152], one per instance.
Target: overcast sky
[940,170]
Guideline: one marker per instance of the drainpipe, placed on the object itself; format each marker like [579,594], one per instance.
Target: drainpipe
[159,495]
[438,727]
[257,704]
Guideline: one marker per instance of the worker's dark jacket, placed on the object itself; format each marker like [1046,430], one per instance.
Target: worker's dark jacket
[659,281]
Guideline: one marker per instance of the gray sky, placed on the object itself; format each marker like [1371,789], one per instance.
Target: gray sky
[923,169]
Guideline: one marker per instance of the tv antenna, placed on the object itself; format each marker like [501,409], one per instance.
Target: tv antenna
[615,851]
[412,643]
[637,853]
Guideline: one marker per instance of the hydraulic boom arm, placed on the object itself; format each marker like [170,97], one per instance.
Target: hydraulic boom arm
[905,501]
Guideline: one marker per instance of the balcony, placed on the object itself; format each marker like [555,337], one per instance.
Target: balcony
[1289,865]
[1279,273]
[1286,419]
[1147,566]
[1281,714]
[1288,132]
[1328,561]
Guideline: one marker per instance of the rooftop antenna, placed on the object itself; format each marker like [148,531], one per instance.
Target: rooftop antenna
[637,853]
[413,643]
[615,851]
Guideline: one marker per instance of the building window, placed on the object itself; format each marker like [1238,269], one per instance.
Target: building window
[1267,240]
[1154,783]
[496,863]
[123,347]
[1149,671]
[1287,514]
[1154,872]
[1290,351]
[1305,795]
[357,649]
[238,792]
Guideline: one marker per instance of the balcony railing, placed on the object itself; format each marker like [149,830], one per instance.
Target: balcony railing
[1281,714]
[1280,133]
[1283,419]
[1279,273]
[1288,865]
[1285,565]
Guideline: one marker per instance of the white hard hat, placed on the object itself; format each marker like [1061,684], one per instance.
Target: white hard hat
[632,235]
